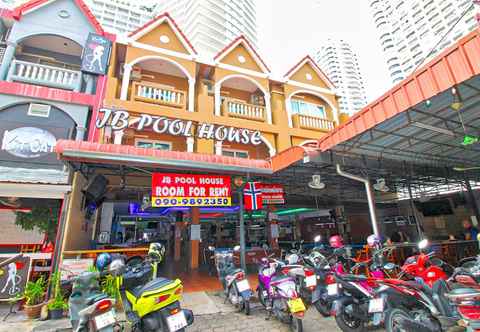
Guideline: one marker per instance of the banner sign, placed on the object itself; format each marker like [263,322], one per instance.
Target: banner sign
[96,55]
[170,189]
[13,276]
[71,267]
[272,193]
[120,120]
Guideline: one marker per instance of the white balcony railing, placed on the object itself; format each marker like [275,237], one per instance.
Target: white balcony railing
[239,109]
[158,94]
[312,122]
[34,73]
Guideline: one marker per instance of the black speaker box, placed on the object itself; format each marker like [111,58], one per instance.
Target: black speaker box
[95,188]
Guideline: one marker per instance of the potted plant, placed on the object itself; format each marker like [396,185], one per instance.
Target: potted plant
[57,305]
[34,295]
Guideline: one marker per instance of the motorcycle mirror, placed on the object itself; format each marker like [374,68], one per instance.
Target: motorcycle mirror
[423,244]
[116,267]
[317,238]
[236,248]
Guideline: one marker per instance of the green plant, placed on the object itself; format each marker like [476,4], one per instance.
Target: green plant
[34,291]
[109,286]
[41,218]
[92,268]
[58,300]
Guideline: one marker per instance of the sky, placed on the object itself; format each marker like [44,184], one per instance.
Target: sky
[290,29]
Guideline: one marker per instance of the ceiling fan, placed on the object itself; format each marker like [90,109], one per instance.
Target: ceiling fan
[381,185]
[316,182]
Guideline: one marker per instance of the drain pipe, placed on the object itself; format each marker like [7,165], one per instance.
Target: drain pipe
[370,198]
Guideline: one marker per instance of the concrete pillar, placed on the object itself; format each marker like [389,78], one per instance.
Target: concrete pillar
[218,100]
[218,148]
[268,108]
[190,144]
[125,81]
[191,95]
[194,244]
[117,137]
[7,60]
[89,80]
[178,242]
[288,105]
[80,133]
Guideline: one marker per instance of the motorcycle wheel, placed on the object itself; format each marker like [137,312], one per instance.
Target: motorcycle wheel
[347,323]
[233,294]
[296,325]
[323,308]
[392,318]
[261,298]
[246,306]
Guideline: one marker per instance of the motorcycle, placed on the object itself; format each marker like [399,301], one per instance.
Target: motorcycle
[151,303]
[234,281]
[90,309]
[277,293]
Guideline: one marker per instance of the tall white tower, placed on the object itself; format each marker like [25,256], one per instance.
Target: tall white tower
[339,62]
[212,24]
[409,30]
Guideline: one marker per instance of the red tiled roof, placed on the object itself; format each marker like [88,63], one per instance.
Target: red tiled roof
[20,10]
[314,64]
[155,157]
[249,46]
[172,21]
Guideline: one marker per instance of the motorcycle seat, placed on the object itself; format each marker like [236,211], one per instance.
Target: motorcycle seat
[151,285]
[235,271]
[96,297]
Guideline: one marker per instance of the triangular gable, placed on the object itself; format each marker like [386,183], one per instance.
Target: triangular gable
[37,4]
[240,47]
[308,72]
[163,25]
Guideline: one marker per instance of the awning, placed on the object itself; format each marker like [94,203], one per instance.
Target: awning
[88,152]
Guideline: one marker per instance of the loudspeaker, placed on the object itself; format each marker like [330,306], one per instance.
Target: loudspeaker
[95,188]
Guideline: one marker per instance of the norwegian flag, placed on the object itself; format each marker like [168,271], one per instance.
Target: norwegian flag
[252,196]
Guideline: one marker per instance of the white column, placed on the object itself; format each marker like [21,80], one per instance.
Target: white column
[117,137]
[126,81]
[336,115]
[218,148]
[288,105]
[268,108]
[191,95]
[272,152]
[218,100]
[190,144]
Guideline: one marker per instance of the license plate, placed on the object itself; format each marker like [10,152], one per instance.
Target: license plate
[177,321]
[375,305]
[104,320]
[311,281]
[243,285]
[296,305]
[332,289]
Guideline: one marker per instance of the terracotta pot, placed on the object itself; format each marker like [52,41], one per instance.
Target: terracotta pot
[33,311]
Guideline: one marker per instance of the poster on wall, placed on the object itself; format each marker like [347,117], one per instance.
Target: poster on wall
[70,268]
[171,189]
[96,54]
[14,273]
[272,193]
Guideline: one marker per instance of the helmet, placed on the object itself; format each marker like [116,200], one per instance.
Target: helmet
[103,260]
[156,251]
[373,240]
[336,241]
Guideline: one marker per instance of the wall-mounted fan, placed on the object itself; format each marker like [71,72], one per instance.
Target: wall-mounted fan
[316,182]
[381,185]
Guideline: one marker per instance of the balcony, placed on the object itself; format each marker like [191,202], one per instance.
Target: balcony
[239,109]
[312,123]
[55,77]
[160,94]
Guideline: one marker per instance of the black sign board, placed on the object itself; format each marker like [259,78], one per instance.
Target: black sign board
[13,276]
[96,54]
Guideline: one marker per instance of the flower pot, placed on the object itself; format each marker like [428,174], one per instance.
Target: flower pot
[33,311]
[56,313]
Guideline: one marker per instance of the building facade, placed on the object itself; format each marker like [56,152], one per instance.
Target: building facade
[340,63]
[212,24]
[410,30]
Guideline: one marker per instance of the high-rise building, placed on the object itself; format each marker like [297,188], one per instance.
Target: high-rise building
[410,30]
[339,62]
[212,24]
[122,16]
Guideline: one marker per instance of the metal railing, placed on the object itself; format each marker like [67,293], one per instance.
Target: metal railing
[34,73]
[239,109]
[312,122]
[158,94]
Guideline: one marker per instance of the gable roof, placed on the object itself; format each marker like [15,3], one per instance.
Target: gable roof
[318,70]
[250,49]
[155,22]
[37,4]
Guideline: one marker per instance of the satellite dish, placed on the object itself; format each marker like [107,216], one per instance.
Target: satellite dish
[316,182]
[381,186]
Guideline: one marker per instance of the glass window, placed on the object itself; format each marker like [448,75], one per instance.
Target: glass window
[235,153]
[309,109]
[150,144]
